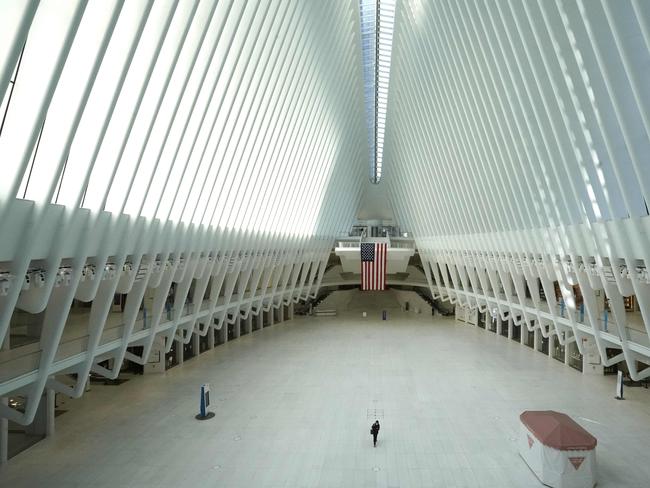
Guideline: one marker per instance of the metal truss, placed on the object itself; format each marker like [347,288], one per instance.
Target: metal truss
[152,144]
[523,128]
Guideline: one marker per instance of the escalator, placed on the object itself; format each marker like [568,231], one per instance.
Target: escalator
[427,299]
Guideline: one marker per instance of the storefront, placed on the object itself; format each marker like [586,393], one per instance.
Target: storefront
[481,319]
[516,331]
[232,333]
[574,357]
[219,335]
[558,350]
[613,369]
[543,343]
[529,336]
[504,327]
[492,324]
[171,359]
[188,350]
[204,343]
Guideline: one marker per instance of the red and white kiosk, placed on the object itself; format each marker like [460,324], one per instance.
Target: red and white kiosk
[559,451]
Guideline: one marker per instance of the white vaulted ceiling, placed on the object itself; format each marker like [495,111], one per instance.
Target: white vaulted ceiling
[531,114]
[517,153]
[224,145]
[224,114]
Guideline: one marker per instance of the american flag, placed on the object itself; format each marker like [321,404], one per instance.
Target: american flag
[373,266]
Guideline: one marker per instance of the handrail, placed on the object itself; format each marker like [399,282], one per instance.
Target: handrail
[349,244]
[410,244]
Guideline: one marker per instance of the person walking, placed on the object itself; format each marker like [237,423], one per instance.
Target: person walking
[374,430]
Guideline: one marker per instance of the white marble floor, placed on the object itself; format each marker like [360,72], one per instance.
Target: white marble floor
[294,404]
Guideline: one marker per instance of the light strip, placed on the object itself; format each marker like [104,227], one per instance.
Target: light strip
[386,23]
[368,19]
[377,21]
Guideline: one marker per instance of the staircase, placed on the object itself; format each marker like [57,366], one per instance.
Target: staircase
[322,311]
[429,300]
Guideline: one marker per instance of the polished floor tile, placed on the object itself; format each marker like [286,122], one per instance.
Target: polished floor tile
[294,404]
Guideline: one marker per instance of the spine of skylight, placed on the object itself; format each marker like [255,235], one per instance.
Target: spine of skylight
[369,22]
[376,169]
[385,25]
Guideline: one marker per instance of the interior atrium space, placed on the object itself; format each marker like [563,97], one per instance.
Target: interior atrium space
[336,243]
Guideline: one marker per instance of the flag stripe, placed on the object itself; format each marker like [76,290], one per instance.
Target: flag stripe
[377,265]
[385,271]
[373,266]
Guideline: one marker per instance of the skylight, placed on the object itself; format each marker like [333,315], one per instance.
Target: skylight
[377,22]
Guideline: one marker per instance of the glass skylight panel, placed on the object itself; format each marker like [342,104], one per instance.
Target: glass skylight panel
[368,19]
[377,20]
[385,42]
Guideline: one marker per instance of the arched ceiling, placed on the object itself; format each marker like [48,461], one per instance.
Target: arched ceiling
[516,153]
[224,114]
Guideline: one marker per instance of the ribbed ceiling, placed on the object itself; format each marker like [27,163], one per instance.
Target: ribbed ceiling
[225,114]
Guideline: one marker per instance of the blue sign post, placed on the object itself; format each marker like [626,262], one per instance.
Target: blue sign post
[204,404]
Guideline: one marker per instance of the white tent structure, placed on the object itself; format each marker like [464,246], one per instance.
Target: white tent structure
[559,451]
